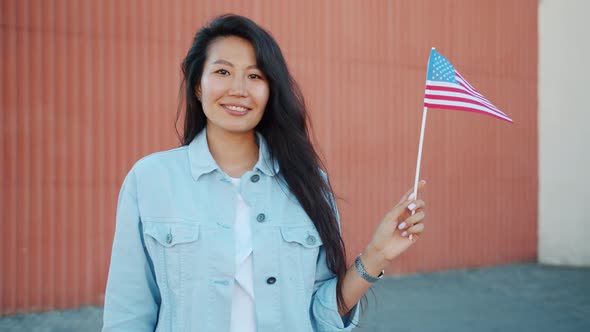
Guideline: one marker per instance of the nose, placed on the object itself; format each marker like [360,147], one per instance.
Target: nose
[238,87]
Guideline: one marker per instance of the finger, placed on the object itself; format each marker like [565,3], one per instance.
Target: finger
[409,195]
[413,207]
[414,230]
[416,218]
[397,211]
[394,214]
[412,220]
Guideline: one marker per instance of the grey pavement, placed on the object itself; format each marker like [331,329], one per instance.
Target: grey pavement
[519,297]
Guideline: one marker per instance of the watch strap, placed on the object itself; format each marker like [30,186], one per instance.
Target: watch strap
[363,273]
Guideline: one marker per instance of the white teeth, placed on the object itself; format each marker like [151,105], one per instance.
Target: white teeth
[236,108]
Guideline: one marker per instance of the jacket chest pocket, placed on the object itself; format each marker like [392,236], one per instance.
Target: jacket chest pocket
[173,246]
[300,249]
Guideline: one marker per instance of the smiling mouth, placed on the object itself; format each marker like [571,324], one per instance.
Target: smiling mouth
[235,110]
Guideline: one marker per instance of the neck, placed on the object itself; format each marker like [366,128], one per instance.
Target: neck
[235,153]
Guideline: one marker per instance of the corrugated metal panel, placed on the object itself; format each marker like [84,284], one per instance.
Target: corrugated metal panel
[90,87]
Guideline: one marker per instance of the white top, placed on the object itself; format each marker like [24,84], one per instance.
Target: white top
[243,313]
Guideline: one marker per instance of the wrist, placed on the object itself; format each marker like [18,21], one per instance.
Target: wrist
[373,260]
[360,268]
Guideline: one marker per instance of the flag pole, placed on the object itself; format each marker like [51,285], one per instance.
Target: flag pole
[424,113]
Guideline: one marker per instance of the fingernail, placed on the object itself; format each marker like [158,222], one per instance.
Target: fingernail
[402,225]
[411,197]
[412,206]
[405,233]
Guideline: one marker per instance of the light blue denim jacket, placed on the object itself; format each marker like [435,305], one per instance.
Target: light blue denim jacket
[172,265]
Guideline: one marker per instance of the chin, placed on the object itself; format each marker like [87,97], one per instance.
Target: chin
[238,128]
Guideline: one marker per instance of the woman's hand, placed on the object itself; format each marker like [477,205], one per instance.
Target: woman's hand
[398,230]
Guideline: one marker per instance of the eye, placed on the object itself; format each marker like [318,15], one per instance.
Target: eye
[255,76]
[222,72]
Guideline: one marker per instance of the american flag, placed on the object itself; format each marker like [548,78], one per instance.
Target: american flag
[447,89]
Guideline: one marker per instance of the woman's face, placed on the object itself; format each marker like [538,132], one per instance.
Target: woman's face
[233,91]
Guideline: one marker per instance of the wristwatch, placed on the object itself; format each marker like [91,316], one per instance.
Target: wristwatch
[361,270]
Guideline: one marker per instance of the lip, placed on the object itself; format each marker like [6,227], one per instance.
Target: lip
[235,112]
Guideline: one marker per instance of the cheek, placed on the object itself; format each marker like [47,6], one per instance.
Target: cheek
[261,94]
[212,88]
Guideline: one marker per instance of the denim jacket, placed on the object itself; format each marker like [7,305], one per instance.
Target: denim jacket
[172,265]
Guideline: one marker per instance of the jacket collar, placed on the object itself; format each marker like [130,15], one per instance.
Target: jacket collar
[202,162]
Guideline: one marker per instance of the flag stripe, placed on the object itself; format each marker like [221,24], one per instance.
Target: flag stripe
[468,88]
[451,87]
[465,109]
[458,88]
[466,84]
[457,93]
[463,82]
[471,89]
[461,99]
[446,104]
[461,94]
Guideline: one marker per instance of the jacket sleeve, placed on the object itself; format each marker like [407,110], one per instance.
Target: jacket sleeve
[324,306]
[132,298]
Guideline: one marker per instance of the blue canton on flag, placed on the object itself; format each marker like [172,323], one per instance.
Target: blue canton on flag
[439,68]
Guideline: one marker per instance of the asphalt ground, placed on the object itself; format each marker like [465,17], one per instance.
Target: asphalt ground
[518,297]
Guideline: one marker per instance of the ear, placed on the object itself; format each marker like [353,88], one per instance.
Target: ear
[198,92]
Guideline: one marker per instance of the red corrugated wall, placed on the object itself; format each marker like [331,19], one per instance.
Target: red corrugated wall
[88,87]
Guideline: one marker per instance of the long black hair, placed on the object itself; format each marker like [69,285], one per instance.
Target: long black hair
[283,125]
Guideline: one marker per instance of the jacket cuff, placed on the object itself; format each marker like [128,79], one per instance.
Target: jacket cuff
[325,310]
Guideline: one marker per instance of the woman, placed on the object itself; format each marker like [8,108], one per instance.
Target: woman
[237,230]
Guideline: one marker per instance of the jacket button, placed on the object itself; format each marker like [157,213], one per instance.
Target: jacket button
[271,280]
[310,240]
[254,178]
[169,238]
[260,217]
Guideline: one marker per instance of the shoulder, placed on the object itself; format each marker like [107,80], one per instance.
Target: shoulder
[161,159]
[157,166]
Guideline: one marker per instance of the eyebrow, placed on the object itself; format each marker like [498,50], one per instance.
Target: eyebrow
[227,63]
